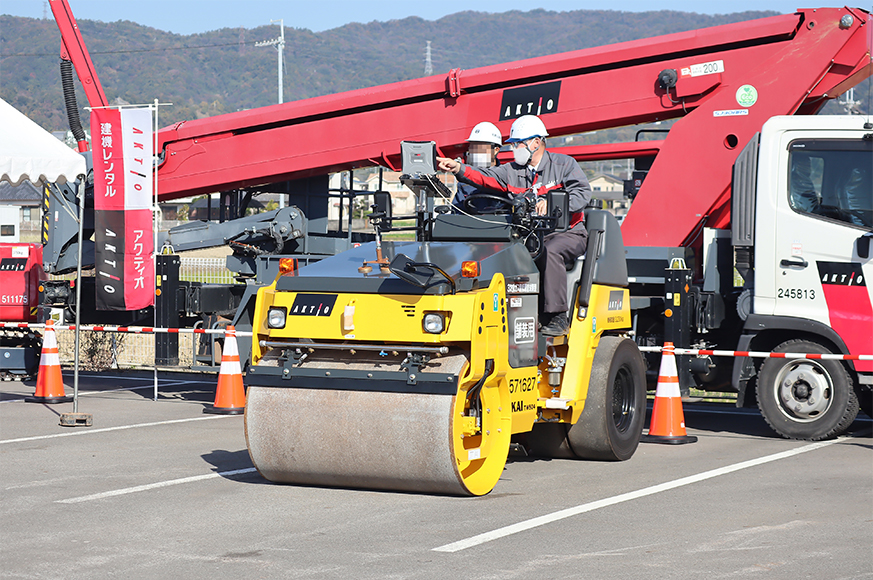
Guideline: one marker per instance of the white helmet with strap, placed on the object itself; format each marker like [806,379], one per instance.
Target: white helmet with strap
[527,127]
[486,132]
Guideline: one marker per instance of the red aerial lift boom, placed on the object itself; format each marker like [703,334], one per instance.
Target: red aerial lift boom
[793,62]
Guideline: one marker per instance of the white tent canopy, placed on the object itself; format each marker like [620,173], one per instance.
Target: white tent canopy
[29,152]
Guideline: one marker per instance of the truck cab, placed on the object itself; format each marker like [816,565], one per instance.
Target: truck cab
[810,245]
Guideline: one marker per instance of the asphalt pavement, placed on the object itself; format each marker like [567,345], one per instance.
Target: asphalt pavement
[157,489]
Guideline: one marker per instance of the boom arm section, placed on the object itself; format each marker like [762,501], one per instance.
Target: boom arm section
[73,49]
[248,237]
[728,81]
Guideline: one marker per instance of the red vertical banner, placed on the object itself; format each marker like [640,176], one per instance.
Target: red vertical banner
[123,195]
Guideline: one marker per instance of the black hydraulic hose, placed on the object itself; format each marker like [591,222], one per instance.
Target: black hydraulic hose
[473,393]
[70,100]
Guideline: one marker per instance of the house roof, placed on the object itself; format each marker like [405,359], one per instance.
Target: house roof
[606,177]
[24,194]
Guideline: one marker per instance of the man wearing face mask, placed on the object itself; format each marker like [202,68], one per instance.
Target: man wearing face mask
[536,171]
[484,143]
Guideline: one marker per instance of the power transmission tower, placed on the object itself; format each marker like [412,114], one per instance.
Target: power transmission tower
[428,64]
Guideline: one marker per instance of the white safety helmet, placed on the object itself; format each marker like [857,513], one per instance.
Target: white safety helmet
[486,132]
[526,127]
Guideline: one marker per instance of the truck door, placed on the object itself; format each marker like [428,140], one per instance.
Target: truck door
[820,223]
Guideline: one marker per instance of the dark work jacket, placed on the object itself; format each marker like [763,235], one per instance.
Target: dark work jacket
[555,171]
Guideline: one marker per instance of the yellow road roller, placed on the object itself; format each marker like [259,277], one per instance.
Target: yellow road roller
[417,365]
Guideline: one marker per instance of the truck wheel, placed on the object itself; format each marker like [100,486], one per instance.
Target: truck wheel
[615,409]
[804,398]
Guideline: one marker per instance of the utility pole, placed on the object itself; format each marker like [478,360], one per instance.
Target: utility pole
[428,65]
[279,43]
[850,105]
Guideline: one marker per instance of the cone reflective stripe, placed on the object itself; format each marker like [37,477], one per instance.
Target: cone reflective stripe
[668,420]
[49,382]
[230,397]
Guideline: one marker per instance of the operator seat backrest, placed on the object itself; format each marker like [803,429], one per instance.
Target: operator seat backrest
[606,246]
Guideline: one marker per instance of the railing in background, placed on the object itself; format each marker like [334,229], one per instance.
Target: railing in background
[206,270]
[129,351]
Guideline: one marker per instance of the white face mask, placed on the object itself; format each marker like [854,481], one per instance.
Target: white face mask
[478,159]
[522,154]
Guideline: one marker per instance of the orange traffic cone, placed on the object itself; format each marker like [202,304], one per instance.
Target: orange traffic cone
[230,397]
[49,383]
[668,420]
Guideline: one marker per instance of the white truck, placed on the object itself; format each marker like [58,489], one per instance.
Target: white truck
[811,246]
[789,276]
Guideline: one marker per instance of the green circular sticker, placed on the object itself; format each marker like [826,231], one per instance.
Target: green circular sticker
[747,95]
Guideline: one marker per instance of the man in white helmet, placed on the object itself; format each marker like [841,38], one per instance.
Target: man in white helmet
[535,170]
[484,141]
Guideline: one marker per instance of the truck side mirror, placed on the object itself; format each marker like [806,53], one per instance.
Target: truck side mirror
[559,208]
[864,246]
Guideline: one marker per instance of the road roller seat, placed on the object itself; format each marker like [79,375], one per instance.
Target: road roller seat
[608,266]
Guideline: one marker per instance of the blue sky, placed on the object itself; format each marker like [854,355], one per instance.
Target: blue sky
[190,16]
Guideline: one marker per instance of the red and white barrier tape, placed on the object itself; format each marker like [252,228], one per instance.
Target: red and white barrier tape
[128,329]
[757,354]
[678,351]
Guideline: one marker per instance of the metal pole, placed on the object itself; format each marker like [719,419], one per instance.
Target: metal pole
[279,43]
[155,224]
[281,51]
[78,295]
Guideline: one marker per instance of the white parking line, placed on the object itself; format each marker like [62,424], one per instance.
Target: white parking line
[581,509]
[142,387]
[149,486]
[119,428]
[128,378]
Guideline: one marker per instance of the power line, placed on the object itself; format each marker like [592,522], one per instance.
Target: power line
[133,51]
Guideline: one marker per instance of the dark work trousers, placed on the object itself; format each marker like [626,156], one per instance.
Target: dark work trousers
[559,249]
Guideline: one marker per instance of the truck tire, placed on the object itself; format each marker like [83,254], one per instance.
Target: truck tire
[803,398]
[611,423]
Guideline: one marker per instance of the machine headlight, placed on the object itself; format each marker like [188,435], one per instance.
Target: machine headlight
[276,318]
[434,323]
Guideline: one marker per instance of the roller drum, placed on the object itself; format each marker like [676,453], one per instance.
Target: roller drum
[361,439]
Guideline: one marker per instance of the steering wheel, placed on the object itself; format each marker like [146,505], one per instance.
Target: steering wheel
[508,204]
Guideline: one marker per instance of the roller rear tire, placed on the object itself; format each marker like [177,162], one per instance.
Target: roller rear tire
[611,423]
